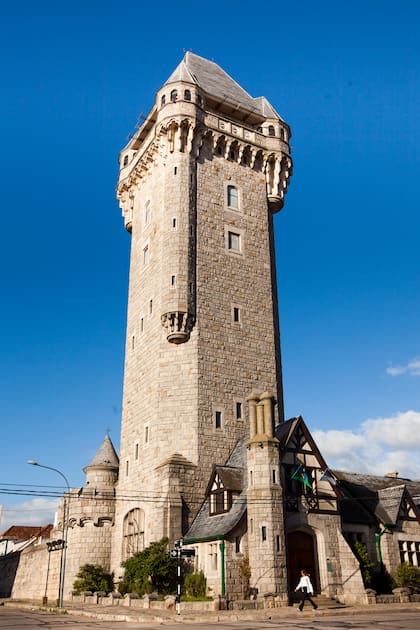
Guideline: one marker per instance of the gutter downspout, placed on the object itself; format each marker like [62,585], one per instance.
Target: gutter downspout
[191,541]
[378,537]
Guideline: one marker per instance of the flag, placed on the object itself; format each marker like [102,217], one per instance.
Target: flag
[327,476]
[300,475]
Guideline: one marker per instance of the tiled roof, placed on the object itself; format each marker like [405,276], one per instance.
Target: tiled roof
[24,532]
[205,525]
[215,82]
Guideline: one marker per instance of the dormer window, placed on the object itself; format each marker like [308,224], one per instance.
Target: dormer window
[220,497]
[174,95]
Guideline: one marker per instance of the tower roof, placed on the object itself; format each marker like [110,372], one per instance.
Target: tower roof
[213,80]
[106,455]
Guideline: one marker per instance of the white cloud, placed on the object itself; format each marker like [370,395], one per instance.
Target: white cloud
[37,511]
[377,446]
[412,368]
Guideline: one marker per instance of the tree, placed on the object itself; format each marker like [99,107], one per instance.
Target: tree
[152,569]
[408,575]
[93,577]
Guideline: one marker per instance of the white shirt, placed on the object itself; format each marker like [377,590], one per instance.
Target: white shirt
[305,582]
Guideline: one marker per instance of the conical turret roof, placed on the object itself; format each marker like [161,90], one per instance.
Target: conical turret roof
[106,455]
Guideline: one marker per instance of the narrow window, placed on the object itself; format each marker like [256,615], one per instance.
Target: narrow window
[232,197]
[146,434]
[175,170]
[126,467]
[236,315]
[251,525]
[187,95]
[147,213]
[234,241]
[173,281]
[237,544]
[146,255]
[199,99]
[271,131]
[136,454]
[282,134]
[150,307]
[125,160]
[163,99]
[251,478]
[141,324]
[174,95]
[132,342]
[174,222]
[239,411]
[263,533]
[274,475]
[278,544]
[218,419]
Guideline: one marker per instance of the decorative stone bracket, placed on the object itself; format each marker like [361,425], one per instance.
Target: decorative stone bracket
[178,326]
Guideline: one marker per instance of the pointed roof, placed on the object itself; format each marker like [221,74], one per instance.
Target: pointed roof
[106,455]
[216,83]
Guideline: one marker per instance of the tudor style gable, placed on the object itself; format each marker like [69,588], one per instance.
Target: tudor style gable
[307,482]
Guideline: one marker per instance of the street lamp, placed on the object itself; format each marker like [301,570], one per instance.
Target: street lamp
[65,530]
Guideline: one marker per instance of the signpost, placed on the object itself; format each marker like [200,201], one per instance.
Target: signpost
[178,553]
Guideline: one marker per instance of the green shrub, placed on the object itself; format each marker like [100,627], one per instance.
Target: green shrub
[195,584]
[150,570]
[93,577]
[408,576]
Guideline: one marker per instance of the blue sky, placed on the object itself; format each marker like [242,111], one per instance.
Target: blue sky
[75,78]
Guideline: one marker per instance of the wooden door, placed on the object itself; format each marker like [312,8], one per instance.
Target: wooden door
[301,555]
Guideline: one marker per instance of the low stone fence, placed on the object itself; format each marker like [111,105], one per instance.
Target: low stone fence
[133,600]
[398,596]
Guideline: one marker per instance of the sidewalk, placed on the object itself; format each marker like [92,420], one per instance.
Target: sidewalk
[122,613]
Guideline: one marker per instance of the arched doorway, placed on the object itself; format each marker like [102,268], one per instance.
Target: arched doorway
[301,555]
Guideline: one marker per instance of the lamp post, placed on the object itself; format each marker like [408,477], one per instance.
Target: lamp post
[65,530]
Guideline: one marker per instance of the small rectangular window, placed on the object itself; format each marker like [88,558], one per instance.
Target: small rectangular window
[251,525]
[218,419]
[146,434]
[236,314]
[136,451]
[174,222]
[132,342]
[126,467]
[141,324]
[173,281]
[238,410]
[175,170]
[278,544]
[263,533]
[150,307]
[234,241]
[237,544]
[274,475]
[232,197]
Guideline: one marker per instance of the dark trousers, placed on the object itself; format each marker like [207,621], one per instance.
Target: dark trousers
[306,596]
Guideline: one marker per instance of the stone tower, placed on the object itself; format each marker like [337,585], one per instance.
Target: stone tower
[198,185]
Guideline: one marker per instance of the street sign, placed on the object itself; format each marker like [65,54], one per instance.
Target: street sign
[174,553]
[187,553]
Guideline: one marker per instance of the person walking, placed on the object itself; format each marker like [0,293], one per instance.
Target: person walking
[306,588]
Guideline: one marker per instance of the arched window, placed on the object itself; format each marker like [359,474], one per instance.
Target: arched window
[187,95]
[163,99]
[174,95]
[199,100]
[271,131]
[282,134]
[125,160]
[133,533]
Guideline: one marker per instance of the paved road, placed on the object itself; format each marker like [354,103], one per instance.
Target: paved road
[16,619]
